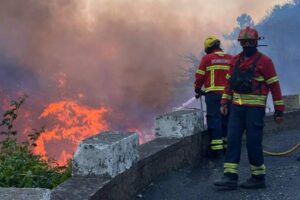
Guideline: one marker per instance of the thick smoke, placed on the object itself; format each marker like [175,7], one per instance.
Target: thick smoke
[117,54]
[117,59]
[113,54]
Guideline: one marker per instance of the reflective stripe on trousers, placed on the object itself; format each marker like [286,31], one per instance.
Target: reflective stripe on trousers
[251,120]
[216,123]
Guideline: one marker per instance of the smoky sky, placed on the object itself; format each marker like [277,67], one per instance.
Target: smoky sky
[127,57]
[52,50]
[115,58]
[117,54]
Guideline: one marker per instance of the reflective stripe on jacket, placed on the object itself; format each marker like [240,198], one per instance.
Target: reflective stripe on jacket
[212,71]
[265,79]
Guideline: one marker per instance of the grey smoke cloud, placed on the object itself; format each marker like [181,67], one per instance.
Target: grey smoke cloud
[115,57]
[119,58]
[111,53]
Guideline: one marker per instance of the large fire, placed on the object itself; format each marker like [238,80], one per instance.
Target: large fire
[70,123]
[66,123]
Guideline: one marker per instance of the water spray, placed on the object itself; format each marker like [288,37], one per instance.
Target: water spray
[185,104]
[188,102]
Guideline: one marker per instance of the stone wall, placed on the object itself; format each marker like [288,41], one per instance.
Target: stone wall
[292,102]
[25,194]
[181,141]
[184,143]
[106,154]
[156,157]
[179,123]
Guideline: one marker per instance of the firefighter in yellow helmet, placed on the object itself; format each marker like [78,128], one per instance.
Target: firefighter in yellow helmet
[212,75]
[210,43]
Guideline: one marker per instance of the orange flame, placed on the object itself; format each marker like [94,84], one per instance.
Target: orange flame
[71,123]
[144,135]
[140,134]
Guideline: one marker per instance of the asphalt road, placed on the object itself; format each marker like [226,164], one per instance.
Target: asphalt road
[196,183]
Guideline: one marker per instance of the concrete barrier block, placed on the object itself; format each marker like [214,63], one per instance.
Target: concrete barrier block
[106,154]
[179,123]
[291,102]
[25,194]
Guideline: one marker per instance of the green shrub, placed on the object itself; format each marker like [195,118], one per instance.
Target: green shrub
[19,167]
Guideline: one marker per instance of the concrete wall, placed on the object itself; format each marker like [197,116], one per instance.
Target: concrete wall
[291,121]
[25,194]
[106,154]
[291,102]
[156,157]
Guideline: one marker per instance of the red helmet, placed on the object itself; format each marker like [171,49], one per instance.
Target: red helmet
[248,33]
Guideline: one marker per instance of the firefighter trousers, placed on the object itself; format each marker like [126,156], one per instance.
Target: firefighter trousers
[216,122]
[251,120]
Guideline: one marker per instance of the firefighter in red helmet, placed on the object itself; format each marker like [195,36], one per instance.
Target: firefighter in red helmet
[211,73]
[252,75]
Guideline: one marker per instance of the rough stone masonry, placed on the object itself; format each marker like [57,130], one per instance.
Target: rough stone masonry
[25,194]
[180,123]
[106,154]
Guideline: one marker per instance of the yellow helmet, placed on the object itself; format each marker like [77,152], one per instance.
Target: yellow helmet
[210,41]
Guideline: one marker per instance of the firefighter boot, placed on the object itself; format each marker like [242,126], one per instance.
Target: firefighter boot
[226,183]
[253,183]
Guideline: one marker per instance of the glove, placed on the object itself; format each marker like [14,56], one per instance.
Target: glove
[199,93]
[224,109]
[278,116]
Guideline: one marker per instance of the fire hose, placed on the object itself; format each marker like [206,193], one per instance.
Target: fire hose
[270,153]
[293,148]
